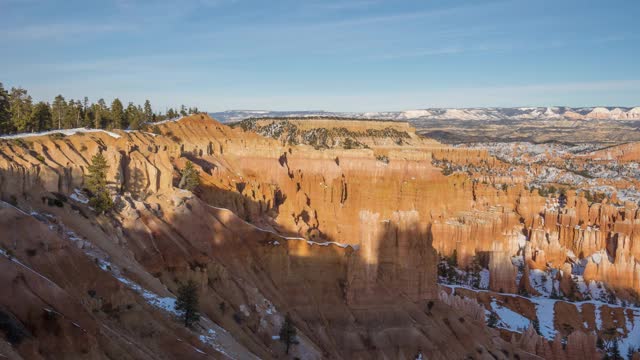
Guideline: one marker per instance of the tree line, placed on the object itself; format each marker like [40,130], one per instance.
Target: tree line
[19,113]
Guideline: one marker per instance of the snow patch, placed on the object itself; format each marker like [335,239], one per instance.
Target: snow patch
[66,132]
[509,319]
[78,196]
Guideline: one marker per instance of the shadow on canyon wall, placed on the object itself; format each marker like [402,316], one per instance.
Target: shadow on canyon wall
[352,302]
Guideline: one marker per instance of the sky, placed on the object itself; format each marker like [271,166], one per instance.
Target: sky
[334,55]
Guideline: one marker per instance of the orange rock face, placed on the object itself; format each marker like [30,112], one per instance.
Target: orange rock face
[345,240]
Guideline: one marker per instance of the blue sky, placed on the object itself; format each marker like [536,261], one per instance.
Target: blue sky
[348,55]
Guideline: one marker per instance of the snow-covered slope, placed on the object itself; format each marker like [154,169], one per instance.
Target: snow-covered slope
[522,113]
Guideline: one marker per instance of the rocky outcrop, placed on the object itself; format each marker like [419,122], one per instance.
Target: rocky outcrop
[341,240]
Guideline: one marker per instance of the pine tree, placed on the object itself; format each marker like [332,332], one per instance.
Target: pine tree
[133,116]
[101,112]
[59,108]
[6,126]
[190,177]
[574,291]
[74,113]
[148,112]
[187,303]
[96,183]
[536,325]
[453,259]
[614,351]
[87,113]
[21,104]
[40,117]
[474,273]
[493,320]
[288,333]
[183,110]
[117,115]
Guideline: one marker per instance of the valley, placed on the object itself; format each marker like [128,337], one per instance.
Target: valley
[376,241]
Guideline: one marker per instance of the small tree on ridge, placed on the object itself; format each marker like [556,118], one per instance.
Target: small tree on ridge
[190,177]
[187,303]
[96,183]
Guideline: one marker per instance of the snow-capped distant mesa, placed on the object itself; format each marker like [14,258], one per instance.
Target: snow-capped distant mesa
[522,113]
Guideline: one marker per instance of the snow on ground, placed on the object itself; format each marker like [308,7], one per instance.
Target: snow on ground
[541,281]
[598,317]
[214,335]
[509,319]
[79,196]
[128,131]
[485,276]
[545,314]
[66,132]
[209,338]
[633,335]
[165,121]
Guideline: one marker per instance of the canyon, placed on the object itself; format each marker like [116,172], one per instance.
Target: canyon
[377,241]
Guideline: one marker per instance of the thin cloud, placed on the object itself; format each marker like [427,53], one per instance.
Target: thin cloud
[130,64]
[407,16]
[61,31]
[345,5]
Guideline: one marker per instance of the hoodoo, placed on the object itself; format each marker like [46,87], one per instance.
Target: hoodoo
[371,250]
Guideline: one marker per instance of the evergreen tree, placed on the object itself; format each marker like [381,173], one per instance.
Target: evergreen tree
[474,273]
[101,117]
[148,112]
[288,333]
[20,108]
[97,116]
[117,115]
[614,351]
[493,320]
[6,125]
[190,177]
[86,113]
[40,117]
[18,113]
[574,291]
[133,116]
[453,259]
[96,183]
[536,325]
[76,113]
[187,303]
[59,109]
[562,199]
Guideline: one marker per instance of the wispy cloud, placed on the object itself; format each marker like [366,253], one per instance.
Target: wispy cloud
[129,65]
[62,31]
[414,15]
[345,5]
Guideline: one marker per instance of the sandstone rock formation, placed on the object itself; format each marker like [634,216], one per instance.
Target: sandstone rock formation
[347,240]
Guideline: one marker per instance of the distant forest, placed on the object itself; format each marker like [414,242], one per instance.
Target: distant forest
[19,113]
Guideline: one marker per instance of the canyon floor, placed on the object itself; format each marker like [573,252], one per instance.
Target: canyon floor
[494,242]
